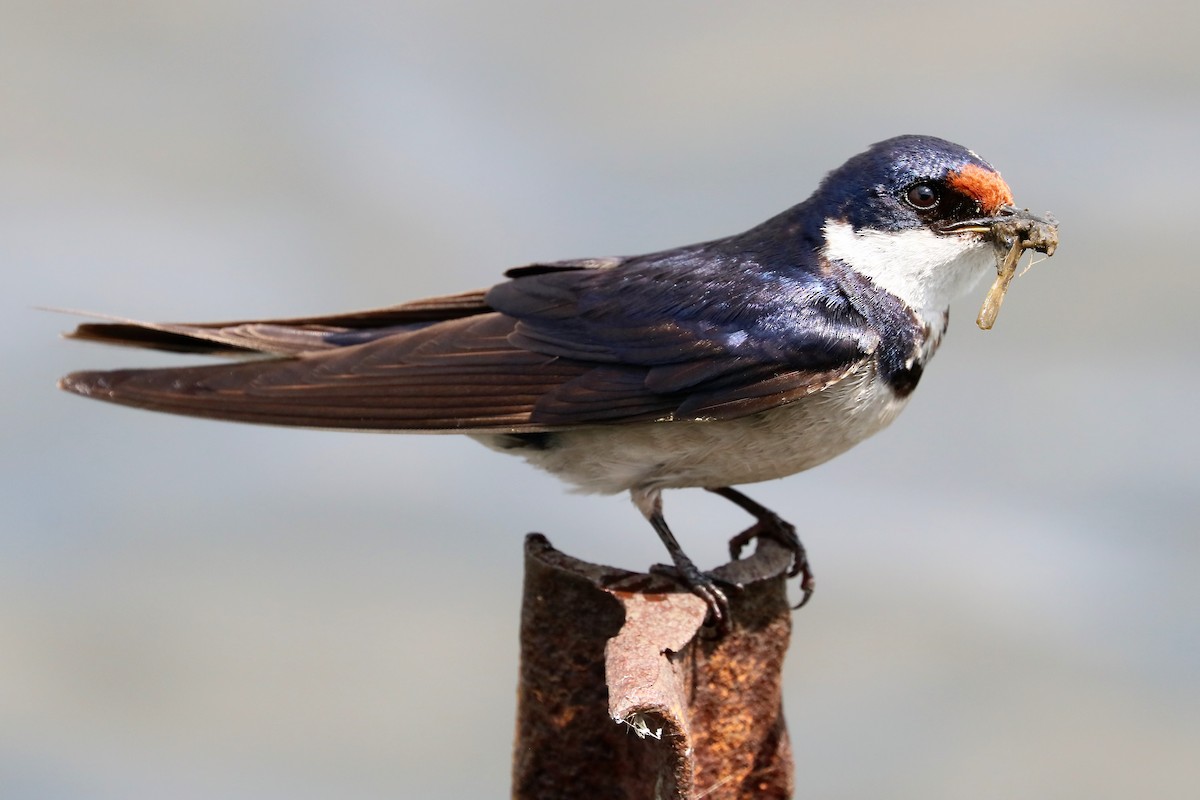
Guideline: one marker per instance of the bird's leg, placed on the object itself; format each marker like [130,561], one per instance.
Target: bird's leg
[699,583]
[772,526]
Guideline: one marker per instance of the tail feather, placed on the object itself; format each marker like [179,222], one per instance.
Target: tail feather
[287,336]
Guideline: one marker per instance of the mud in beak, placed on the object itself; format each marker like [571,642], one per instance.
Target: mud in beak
[1012,231]
[1012,226]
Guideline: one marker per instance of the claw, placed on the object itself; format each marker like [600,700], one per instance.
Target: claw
[771,526]
[703,586]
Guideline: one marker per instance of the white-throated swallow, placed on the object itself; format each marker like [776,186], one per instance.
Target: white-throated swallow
[733,361]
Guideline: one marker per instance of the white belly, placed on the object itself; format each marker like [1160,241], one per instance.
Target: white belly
[772,444]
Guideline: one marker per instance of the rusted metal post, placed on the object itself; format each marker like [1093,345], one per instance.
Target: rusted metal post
[623,694]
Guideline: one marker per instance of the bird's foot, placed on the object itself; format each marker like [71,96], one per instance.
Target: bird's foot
[703,586]
[770,525]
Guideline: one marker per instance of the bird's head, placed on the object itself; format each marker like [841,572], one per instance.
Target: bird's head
[923,218]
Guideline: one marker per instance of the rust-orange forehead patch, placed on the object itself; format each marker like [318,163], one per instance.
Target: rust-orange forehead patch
[984,185]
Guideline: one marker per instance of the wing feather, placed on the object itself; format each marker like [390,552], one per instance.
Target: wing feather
[692,334]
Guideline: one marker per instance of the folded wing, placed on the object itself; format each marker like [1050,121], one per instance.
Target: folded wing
[678,336]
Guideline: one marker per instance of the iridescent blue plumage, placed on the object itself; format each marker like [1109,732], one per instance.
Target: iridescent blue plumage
[732,361]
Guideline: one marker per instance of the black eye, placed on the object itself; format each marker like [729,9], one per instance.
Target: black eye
[922,196]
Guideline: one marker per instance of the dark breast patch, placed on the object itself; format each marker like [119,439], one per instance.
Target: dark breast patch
[904,381]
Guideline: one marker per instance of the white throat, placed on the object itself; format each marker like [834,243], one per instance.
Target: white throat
[920,267]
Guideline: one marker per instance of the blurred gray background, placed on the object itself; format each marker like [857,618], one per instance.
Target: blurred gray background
[1008,603]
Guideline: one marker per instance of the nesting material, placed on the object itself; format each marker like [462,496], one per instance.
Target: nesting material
[1013,236]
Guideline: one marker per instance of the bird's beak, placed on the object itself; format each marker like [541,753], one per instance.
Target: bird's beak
[1012,226]
[1011,231]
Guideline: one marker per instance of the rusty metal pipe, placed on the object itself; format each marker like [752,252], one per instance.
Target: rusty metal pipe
[624,694]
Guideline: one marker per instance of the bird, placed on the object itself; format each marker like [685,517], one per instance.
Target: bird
[736,360]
